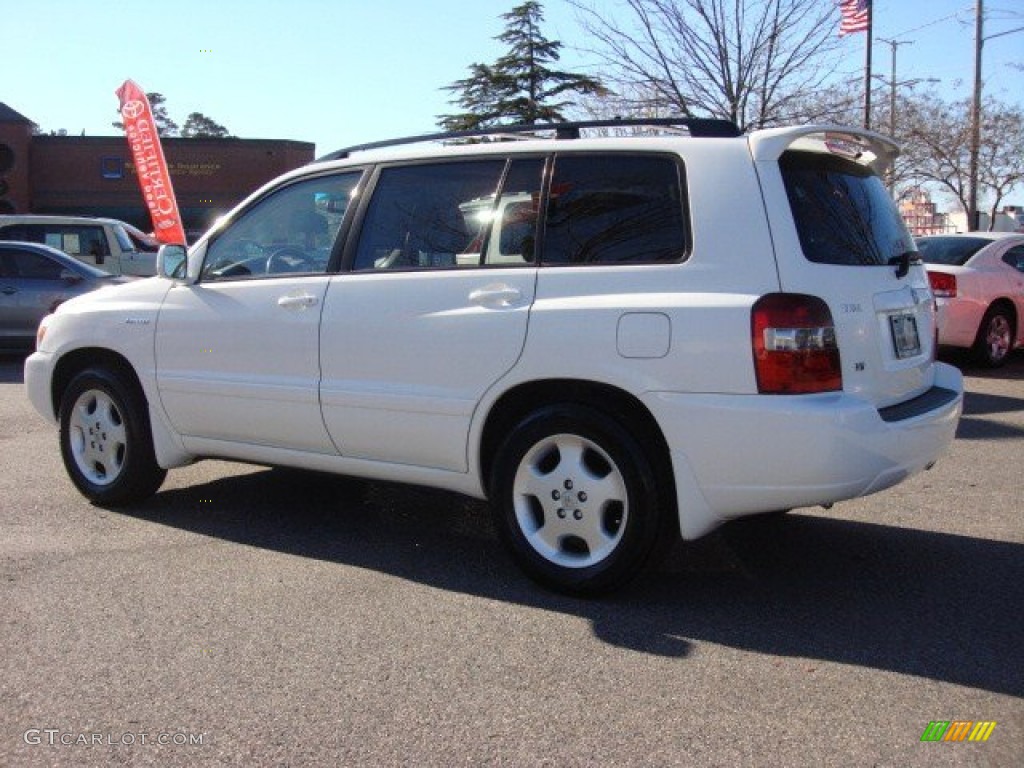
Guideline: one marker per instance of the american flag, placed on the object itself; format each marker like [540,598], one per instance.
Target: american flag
[856,14]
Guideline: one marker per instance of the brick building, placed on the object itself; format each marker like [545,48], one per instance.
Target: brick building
[94,175]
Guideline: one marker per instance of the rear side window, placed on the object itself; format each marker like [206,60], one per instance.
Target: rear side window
[615,209]
[843,213]
[1015,257]
[75,240]
[20,232]
[429,215]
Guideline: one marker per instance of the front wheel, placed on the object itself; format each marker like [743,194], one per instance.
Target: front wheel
[576,500]
[105,439]
[995,338]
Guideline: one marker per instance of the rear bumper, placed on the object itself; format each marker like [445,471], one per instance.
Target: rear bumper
[736,455]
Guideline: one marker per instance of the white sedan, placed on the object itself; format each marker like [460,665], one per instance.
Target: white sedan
[978,282]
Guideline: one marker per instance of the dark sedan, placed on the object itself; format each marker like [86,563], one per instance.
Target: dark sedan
[34,279]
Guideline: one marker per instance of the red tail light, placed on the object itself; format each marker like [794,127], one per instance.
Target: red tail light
[794,344]
[943,285]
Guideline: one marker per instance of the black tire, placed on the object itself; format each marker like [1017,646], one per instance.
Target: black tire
[555,488]
[995,339]
[105,439]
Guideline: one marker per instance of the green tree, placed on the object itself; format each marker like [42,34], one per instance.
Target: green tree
[521,86]
[198,125]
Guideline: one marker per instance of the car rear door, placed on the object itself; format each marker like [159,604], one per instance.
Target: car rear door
[839,237]
[430,315]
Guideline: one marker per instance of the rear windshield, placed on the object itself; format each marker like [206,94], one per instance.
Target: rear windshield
[843,213]
[952,251]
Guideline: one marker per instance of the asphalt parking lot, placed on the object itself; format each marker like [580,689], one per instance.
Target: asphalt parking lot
[248,616]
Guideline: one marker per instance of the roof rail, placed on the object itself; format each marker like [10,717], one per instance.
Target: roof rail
[696,126]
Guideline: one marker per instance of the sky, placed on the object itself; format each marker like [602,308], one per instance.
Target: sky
[342,72]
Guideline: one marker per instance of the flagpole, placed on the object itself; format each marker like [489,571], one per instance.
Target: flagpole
[867,70]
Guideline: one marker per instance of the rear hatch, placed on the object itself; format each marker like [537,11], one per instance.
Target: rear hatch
[839,237]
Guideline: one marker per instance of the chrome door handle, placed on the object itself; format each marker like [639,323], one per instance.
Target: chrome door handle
[297,302]
[495,295]
[8,290]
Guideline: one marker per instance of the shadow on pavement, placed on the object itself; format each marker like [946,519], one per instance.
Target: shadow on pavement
[12,367]
[975,423]
[921,603]
[1013,370]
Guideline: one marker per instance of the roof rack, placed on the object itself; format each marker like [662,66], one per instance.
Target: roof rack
[696,126]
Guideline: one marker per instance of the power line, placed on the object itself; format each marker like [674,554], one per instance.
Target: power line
[933,23]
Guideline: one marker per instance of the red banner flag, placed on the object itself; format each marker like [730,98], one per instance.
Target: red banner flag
[150,165]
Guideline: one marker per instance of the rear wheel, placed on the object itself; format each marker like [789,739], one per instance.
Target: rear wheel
[105,439]
[575,498]
[995,337]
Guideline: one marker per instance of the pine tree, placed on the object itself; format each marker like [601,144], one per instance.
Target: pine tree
[199,125]
[520,87]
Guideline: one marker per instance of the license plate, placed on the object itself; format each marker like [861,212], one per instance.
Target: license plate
[904,335]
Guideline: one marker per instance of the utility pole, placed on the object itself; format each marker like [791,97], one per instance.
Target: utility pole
[893,45]
[867,70]
[973,220]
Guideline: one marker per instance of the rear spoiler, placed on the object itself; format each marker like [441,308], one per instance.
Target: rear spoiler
[865,147]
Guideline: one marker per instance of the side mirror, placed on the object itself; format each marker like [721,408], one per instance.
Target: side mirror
[172,261]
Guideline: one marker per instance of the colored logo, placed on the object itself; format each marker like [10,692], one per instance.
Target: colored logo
[958,730]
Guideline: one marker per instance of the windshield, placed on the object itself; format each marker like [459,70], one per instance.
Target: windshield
[842,210]
[951,251]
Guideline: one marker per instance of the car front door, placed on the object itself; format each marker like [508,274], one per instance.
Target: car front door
[238,351]
[434,310]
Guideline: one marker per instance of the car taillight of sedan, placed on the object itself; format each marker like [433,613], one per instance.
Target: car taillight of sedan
[943,285]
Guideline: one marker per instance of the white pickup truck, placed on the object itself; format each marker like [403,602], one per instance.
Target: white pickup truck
[113,246]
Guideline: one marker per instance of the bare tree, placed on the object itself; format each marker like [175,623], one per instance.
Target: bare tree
[939,134]
[748,61]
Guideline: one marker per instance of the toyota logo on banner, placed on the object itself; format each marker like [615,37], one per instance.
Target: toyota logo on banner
[133,109]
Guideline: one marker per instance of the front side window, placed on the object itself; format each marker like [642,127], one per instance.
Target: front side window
[291,231]
[76,240]
[123,241]
[843,213]
[615,209]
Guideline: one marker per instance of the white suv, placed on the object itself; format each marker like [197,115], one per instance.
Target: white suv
[614,340]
